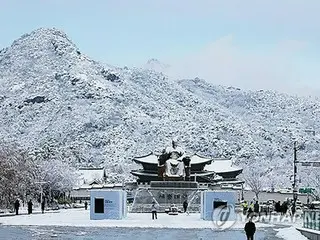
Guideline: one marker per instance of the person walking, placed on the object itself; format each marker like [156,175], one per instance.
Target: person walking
[245,207]
[251,205]
[30,206]
[277,207]
[185,206]
[16,206]
[85,205]
[42,206]
[250,213]
[154,210]
[250,229]
[284,208]
[256,209]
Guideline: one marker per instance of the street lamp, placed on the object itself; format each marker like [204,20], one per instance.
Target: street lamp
[242,197]
[294,185]
[295,161]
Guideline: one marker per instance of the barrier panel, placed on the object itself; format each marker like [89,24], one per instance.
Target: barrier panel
[311,219]
[218,205]
[108,204]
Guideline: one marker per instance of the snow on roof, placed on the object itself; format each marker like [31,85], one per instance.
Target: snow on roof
[142,173]
[88,175]
[230,182]
[221,165]
[85,186]
[153,159]
[218,165]
[118,184]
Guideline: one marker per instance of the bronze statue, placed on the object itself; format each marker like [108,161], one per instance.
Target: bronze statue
[173,163]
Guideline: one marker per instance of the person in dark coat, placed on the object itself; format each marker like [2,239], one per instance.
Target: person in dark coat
[284,208]
[30,206]
[154,210]
[245,207]
[250,213]
[42,206]
[250,229]
[185,206]
[85,205]
[256,208]
[16,206]
[277,207]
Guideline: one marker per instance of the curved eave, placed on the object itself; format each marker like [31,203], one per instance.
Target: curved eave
[142,173]
[147,159]
[197,159]
[208,173]
[145,162]
[153,159]
[139,173]
[200,163]
[230,171]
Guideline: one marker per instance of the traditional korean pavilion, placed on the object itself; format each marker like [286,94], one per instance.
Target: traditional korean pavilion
[199,169]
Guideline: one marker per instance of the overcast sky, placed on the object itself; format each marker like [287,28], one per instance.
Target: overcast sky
[266,44]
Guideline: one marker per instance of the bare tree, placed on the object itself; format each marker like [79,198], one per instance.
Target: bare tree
[255,184]
[20,171]
[254,179]
[54,169]
[15,174]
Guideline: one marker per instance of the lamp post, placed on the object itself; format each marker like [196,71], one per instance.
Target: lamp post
[294,185]
[242,197]
[295,161]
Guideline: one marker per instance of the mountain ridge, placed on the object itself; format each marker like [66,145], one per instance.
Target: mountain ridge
[86,112]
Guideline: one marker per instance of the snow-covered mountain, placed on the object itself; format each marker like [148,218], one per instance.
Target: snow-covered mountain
[57,101]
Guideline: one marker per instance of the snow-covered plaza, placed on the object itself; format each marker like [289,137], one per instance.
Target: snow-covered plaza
[76,224]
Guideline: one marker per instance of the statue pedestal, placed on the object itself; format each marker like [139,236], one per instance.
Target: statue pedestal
[167,193]
[173,184]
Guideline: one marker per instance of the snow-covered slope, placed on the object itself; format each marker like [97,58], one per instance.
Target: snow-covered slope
[56,99]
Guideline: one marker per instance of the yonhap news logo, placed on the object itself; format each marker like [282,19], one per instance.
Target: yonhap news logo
[224,217]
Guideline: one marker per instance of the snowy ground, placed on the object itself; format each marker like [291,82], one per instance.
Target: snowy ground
[290,233]
[81,218]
